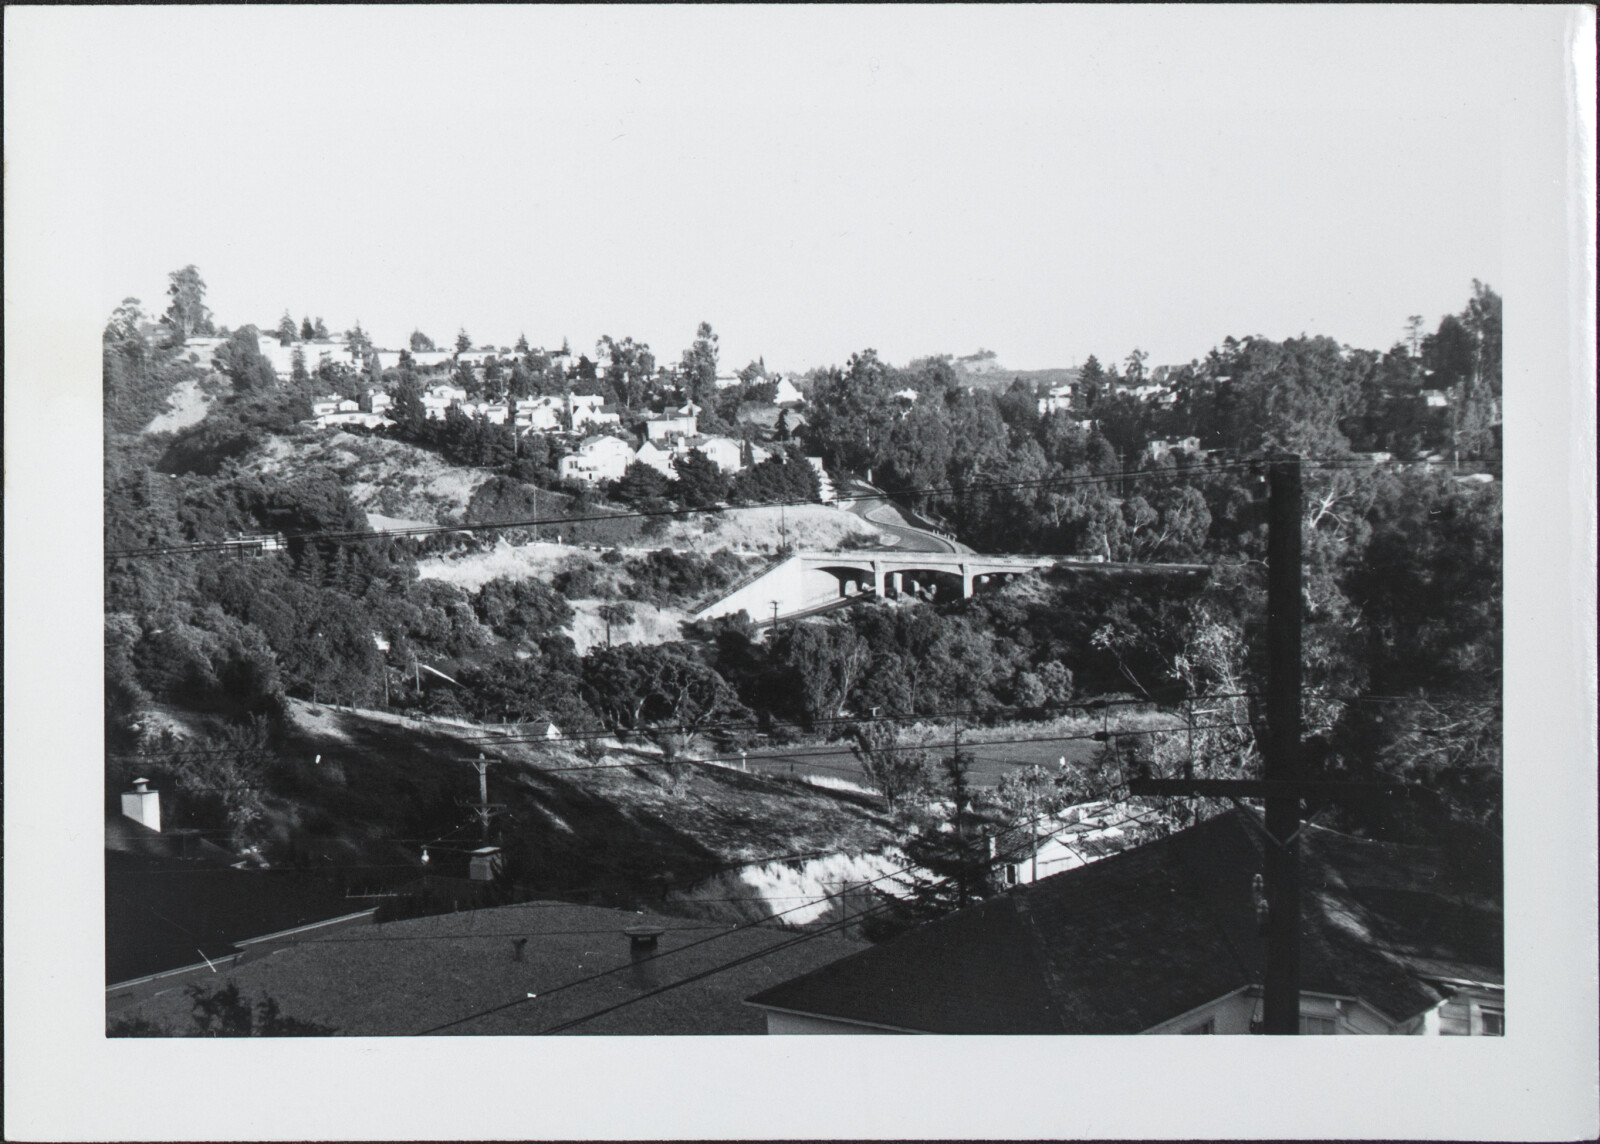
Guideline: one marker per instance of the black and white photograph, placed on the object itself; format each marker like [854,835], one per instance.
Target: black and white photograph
[683,528]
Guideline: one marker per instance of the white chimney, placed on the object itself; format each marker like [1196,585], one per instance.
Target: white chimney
[143,805]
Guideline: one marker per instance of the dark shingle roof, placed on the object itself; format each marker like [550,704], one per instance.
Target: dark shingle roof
[1140,937]
[409,976]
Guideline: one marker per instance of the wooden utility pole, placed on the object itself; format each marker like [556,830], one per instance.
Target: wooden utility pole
[483,808]
[1282,762]
[1282,786]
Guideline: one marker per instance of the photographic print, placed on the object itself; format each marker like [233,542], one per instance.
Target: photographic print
[730,523]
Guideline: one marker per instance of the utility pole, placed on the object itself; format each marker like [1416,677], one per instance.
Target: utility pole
[483,808]
[1282,786]
[1282,762]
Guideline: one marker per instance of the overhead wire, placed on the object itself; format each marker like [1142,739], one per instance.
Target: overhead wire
[360,535]
[907,868]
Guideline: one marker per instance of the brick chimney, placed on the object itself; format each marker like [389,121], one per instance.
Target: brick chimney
[143,805]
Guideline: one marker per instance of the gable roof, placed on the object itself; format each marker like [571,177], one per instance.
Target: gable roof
[403,977]
[1132,940]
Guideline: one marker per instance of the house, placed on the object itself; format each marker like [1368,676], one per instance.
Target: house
[376,401]
[1057,400]
[422,359]
[908,395]
[597,459]
[1436,398]
[1160,449]
[725,451]
[593,417]
[1164,938]
[571,968]
[312,354]
[787,393]
[668,428]
[657,458]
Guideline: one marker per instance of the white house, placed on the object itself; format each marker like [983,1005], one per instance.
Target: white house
[725,451]
[657,458]
[668,428]
[787,394]
[539,413]
[1057,400]
[593,417]
[597,459]
[377,401]
[313,354]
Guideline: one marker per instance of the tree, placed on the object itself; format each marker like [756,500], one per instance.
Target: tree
[641,483]
[701,482]
[852,415]
[700,366]
[358,341]
[629,366]
[522,344]
[1091,383]
[186,314]
[306,330]
[638,687]
[319,331]
[895,770]
[421,342]
[297,368]
[463,342]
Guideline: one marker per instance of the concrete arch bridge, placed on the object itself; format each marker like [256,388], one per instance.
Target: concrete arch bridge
[809,581]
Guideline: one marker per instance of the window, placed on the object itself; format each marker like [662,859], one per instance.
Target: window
[1317,1026]
[1207,1026]
[1494,1022]
[1011,875]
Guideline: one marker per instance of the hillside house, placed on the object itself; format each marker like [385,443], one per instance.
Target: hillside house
[659,459]
[670,428]
[597,459]
[725,451]
[1397,940]
[314,354]
[421,359]
[1057,400]
[376,401]
[1436,399]
[540,414]
[787,393]
[1160,449]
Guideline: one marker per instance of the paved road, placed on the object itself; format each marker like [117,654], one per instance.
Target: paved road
[884,514]
[990,762]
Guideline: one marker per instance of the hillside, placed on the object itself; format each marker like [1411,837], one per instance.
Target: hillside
[610,825]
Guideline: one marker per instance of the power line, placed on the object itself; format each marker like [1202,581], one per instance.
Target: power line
[756,955]
[825,752]
[981,715]
[691,945]
[357,535]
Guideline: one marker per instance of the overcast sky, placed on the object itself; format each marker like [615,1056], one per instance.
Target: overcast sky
[1047,183]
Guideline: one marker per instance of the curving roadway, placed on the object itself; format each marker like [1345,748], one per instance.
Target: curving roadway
[875,507]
